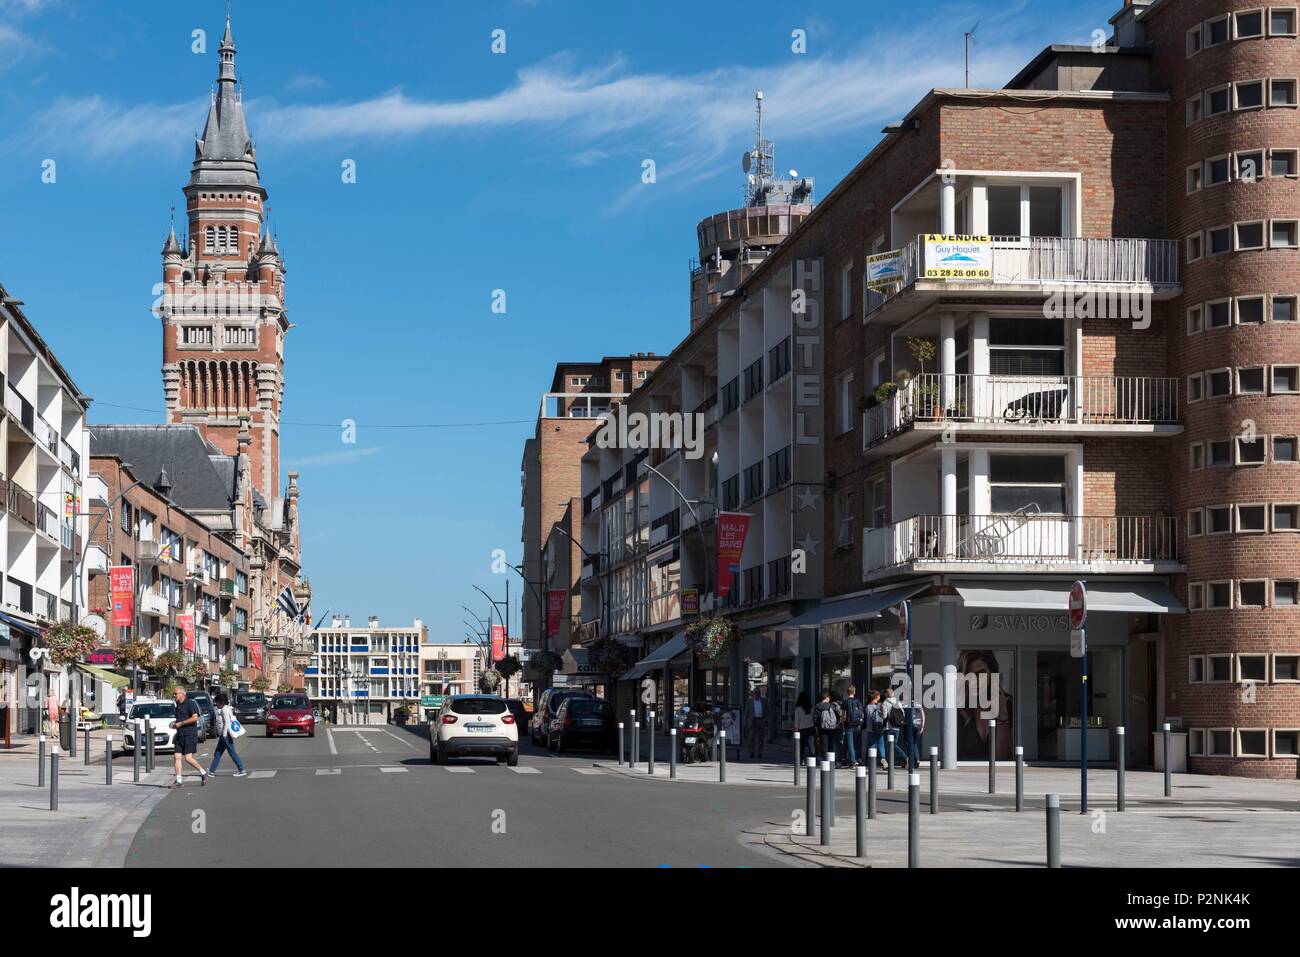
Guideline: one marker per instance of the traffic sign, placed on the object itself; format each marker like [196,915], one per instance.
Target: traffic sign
[1078,643]
[1078,606]
[903,619]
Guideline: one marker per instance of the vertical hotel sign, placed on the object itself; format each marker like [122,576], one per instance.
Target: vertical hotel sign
[808,425]
[732,529]
[554,609]
[121,587]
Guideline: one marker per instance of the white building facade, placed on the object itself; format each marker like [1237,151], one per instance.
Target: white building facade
[362,675]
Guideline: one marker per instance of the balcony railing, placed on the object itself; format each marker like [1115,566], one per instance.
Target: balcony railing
[1048,260]
[20,408]
[730,397]
[753,379]
[1022,538]
[590,567]
[20,503]
[709,409]
[778,469]
[590,502]
[1011,399]
[47,521]
[69,456]
[778,360]
[45,605]
[47,435]
[753,582]
[778,577]
[753,482]
[731,493]
[666,527]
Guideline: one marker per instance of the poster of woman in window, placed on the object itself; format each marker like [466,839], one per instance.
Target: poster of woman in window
[985,679]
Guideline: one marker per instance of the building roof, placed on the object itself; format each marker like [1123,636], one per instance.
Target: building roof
[224,154]
[202,478]
[1048,53]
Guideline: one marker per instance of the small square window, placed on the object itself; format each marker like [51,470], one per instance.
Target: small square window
[1218,521]
[1195,320]
[1218,315]
[1195,247]
[1195,602]
[1250,236]
[1219,101]
[1218,742]
[1252,743]
[1195,523]
[1195,388]
[1219,667]
[1283,309]
[1248,95]
[1282,92]
[1216,31]
[1218,240]
[1252,518]
[1249,23]
[1195,742]
[1193,178]
[1250,166]
[1218,382]
[1282,163]
[1250,380]
[1286,380]
[1286,743]
[1252,667]
[1281,21]
[1286,592]
[1194,40]
[1286,667]
[1195,669]
[1283,233]
[1194,107]
[1196,456]
[1218,170]
[1286,449]
[1250,310]
[1286,517]
[1251,452]
[1220,452]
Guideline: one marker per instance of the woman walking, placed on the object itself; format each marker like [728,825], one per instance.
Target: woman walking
[225,740]
[803,723]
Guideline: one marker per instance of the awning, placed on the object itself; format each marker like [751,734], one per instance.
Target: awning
[103,674]
[851,609]
[1127,597]
[670,649]
[26,627]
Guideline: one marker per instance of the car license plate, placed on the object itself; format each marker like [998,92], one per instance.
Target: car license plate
[289,730]
[690,740]
[479,728]
[592,723]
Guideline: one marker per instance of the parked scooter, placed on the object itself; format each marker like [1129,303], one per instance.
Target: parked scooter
[695,732]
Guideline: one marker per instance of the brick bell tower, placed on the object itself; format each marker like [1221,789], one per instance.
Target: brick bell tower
[222,308]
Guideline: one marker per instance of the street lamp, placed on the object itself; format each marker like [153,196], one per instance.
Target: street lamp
[600,585]
[708,565]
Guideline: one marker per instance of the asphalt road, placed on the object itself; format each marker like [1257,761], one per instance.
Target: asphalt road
[370,797]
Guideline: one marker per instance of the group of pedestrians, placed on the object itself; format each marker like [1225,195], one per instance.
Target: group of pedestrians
[186,741]
[848,728]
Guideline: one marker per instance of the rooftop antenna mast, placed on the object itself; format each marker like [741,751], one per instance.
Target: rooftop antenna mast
[967,39]
[759,162]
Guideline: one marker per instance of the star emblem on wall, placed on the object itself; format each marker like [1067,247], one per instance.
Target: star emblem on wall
[807,498]
[808,544]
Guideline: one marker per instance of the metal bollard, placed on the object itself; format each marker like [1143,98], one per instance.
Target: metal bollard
[672,752]
[889,760]
[913,819]
[148,746]
[828,803]
[1169,780]
[993,756]
[934,780]
[796,759]
[810,808]
[86,749]
[650,766]
[1119,769]
[621,747]
[636,744]
[830,756]
[108,760]
[1053,830]
[54,779]
[860,807]
[871,783]
[40,763]
[1020,778]
[722,761]
[135,758]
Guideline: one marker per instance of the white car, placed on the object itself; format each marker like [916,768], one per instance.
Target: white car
[161,712]
[474,725]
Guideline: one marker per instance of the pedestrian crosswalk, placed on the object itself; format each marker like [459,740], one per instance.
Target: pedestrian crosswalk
[268,773]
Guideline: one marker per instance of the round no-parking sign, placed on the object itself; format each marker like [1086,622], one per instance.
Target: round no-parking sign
[1078,606]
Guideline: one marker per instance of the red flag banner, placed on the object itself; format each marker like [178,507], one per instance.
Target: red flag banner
[255,654]
[554,609]
[121,586]
[732,529]
[498,643]
[187,629]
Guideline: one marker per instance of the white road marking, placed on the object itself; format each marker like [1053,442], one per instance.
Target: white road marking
[388,770]
[330,734]
[397,739]
[261,774]
[461,770]
[589,771]
[526,770]
[320,771]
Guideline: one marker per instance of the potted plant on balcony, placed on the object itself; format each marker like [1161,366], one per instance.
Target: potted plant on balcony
[710,636]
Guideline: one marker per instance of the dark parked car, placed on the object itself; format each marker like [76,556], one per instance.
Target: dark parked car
[539,726]
[207,710]
[250,707]
[583,723]
[522,714]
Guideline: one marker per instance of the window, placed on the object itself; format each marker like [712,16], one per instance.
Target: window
[1249,24]
[1196,456]
[1195,523]
[1218,382]
[1218,240]
[1250,236]
[1195,247]
[1281,21]
[1250,452]
[1281,93]
[641,373]
[1252,518]
[1286,380]
[844,518]
[1283,309]
[1219,452]
[1286,667]
[1286,592]
[1286,743]
[1218,742]
[1217,101]
[1218,519]
[1027,481]
[846,291]
[1195,741]
[1194,108]
[1252,667]
[1283,233]
[1218,667]
[1250,310]
[1216,31]
[1285,449]
[1252,742]
[1250,165]
[1286,517]
[1193,178]
[1196,601]
[1015,210]
[1250,381]
[844,392]
[1281,162]
[1218,170]
[1195,388]
[1195,669]
[1195,320]
[1218,314]
[1026,347]
[1194,40]
[876,501]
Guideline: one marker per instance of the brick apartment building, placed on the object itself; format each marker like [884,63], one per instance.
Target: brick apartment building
[1103,388]
[182,567]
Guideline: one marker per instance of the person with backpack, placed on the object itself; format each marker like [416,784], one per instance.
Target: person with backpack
[826,718]
[875,724]
[895,716]
[854,714]
[225,737]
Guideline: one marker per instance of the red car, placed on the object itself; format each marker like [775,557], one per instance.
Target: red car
[290,714]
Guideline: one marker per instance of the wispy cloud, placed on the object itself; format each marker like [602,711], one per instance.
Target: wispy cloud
[343,457]
[300,82]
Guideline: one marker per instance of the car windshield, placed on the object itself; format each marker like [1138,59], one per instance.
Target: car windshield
[255,700]
[290,702]
[156,709]
[478,706]
[587,708]
[559,699]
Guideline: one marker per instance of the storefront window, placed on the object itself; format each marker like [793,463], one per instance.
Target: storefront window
[1058,688]
[985,685]
[836,675]
[787,690]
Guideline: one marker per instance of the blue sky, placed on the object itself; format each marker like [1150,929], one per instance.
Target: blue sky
[475,171]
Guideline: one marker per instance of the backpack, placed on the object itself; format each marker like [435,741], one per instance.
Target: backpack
[828,720]
[876,718]
[853,712]
[897,716]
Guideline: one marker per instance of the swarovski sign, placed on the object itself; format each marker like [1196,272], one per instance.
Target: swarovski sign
[1019,623]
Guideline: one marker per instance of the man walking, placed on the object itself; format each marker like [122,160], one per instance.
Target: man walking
[854,713]
[757,723]
[187,738]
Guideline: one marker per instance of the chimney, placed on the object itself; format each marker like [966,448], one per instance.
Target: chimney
[338,621]
[347,621]
[372,621]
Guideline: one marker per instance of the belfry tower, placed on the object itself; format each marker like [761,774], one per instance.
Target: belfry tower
[222,307]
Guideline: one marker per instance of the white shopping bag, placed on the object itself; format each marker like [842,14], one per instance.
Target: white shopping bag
[236,729]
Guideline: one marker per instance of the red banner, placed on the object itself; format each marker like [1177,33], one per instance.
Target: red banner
[732,529]
[187,629]
[554,609]
[255,654]
[121,586]
[498,643]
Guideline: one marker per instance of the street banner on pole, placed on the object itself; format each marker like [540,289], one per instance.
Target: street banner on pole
[187,629]
[255,654]
[498,643]
[732,529]
[121,585]
[554,609]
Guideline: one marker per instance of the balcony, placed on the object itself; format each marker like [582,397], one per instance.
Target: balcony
[1023,541]
[778,577]
[590,567]
[96,491]
[48,522]
[709,409]
[753,483]
[778,361]
[778,469]
[730,397]
[1036,265]
[22,410]
[152,603]
[590,502]
[1073,405]
[666,527]
[731,493]
[20,503]
[96,560]
[752,579]
[753,379]
[69,457]
[45,605]
[47,435]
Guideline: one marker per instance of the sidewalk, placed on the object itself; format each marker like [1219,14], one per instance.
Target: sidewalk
[94,825]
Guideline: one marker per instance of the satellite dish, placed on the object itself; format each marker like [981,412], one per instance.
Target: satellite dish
[794,174]
[96,624]
[746,161]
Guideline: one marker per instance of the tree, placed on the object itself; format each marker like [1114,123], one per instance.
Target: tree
[489,681]
[508,667]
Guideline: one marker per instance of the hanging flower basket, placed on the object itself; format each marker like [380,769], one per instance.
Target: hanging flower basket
[68,642]
[709,637]
[610,657]
[489,681]
[546,662]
